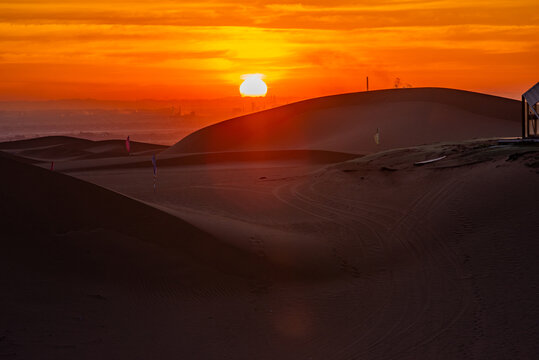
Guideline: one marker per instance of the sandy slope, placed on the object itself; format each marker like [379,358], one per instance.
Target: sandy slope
[84,270]
[347,123]
[371,258]
[62,148]
[282,253]
[73,154]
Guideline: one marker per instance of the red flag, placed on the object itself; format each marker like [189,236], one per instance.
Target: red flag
[52,165]
[127,145]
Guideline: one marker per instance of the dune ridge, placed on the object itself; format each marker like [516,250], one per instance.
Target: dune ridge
[226,157]
[55,203]
[347,122]
[60,148]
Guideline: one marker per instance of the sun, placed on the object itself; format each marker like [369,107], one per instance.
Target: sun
[253,85]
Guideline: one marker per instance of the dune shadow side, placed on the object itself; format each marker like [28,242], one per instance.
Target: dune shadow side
[36,203]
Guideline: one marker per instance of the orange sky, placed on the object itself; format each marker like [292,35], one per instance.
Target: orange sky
[133,49]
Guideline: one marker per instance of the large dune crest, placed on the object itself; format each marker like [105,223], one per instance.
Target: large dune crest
[348,122]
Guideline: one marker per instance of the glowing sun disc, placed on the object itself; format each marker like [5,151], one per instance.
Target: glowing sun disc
[253,85]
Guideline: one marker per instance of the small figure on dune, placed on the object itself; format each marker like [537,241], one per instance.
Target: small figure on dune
[154,163]
[377,136]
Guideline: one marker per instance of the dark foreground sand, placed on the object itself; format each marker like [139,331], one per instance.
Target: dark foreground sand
[288,254]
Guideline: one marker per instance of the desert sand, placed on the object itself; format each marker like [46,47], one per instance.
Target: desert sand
[347,123]
[318,244]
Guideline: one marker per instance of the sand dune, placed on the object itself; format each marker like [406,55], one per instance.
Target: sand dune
[259,245]
[347,123]
[370,258]
[377,258]
[73,154]
[59,204]
[225,158]
[59,148]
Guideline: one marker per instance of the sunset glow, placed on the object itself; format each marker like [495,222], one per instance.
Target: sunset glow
[136,49]
[253,85]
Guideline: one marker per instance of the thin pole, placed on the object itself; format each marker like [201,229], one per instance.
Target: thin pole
[367,83]
[523,117]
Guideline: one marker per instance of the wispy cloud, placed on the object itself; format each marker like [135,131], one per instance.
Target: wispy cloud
[180,45]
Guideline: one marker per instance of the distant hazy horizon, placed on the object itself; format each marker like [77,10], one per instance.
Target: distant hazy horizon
[147,120]
[157,121]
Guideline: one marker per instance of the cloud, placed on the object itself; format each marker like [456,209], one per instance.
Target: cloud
[213,42]
[158,56]
[284,15]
